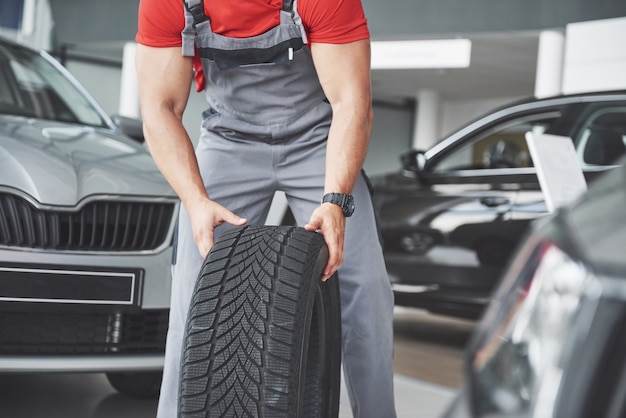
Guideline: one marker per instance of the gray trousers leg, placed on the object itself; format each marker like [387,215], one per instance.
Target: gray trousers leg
[242,176]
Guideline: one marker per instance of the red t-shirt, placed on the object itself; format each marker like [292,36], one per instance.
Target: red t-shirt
[326,21]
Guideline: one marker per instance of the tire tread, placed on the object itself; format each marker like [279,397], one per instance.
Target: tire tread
[241,335]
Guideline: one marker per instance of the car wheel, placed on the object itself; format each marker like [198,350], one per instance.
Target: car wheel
[263,334]
[136,384]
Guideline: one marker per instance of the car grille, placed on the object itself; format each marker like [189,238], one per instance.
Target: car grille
[83,333]
[99,226]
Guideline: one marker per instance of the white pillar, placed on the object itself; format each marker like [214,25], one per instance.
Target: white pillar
[426,127]
[549,63]
[36,25]
[129,91]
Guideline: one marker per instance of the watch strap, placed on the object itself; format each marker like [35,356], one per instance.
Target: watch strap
[343,200]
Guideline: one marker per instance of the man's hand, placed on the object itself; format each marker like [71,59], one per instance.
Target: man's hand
[205,217]
[330,222]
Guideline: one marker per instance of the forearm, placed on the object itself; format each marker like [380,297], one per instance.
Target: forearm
[348,141]
[164,84]
[173,153]
[344,72]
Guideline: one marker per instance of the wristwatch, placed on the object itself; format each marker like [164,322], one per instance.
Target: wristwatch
[345,201]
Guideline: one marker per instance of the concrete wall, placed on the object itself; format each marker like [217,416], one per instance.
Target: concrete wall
[391,135]
[102,82]
[456,113]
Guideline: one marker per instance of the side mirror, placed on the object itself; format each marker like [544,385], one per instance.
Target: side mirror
[130,126]
[413,162]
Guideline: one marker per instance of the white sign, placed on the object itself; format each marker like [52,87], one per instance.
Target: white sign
[558,168]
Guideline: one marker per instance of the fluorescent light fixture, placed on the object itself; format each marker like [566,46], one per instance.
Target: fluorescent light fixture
[435,53]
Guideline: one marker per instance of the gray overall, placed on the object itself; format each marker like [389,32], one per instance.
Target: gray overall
[266,130]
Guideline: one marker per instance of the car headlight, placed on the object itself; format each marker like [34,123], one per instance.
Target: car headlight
[517,365]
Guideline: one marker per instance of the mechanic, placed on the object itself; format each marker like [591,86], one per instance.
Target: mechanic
[289,95]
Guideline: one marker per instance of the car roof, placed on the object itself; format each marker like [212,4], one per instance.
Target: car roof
[565,96]
[526,104]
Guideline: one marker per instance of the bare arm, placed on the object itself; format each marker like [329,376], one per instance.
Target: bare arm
[344,72]
[164,83]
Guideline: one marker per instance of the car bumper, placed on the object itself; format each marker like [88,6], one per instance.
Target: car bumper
[462,290]
[88,364]
[460,303]
[40,332]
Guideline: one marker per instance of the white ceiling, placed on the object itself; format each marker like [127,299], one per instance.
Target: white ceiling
[502,65]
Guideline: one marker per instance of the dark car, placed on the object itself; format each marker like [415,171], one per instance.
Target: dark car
[86,227]
[551,343]
[451,218]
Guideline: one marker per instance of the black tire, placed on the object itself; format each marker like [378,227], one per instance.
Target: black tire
[263,335]
[136,384]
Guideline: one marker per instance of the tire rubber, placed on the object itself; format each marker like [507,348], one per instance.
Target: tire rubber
[263,334]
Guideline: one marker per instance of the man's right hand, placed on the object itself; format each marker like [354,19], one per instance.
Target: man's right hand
[205,217]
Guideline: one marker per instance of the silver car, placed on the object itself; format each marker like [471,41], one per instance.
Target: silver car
[86,231]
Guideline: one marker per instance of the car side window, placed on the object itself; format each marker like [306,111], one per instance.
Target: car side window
[502,146]
[8,97]
[37,97]
[602,141]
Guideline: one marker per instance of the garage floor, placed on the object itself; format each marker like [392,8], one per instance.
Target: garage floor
[90,396]
[414,399]
[427,361]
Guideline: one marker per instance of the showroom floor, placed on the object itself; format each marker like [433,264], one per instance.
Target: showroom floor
[414,399]
[428,351]
[90,396]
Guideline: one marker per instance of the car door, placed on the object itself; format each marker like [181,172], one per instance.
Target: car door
[486,173]
[597,127]
[455,228]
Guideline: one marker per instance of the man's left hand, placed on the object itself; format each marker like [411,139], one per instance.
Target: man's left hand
[328,220]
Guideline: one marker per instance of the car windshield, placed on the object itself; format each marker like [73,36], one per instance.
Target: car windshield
[32,86]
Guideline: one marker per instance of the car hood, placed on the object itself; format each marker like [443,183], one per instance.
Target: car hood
[60,164]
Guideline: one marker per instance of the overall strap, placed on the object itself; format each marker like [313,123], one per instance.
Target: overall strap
[287,5]
[194,15]
[291,7]
[196,8]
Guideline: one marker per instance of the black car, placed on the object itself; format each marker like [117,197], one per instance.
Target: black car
[452,216]
[551,343]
